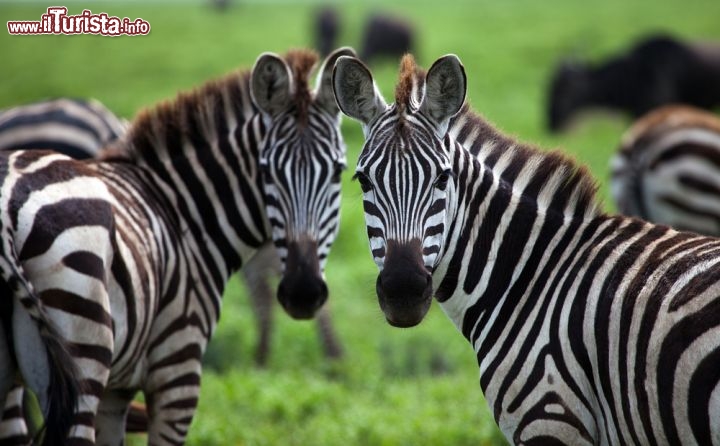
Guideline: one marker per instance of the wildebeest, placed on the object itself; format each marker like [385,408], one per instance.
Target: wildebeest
[327,25]
[386,36]
[658,70]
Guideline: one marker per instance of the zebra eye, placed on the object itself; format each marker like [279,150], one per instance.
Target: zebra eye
[337,173]
[265,173]
[364,181]
[442,179]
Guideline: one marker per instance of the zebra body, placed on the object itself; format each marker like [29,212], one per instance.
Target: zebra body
[666,170]
[588,328]
[131,252]
[76,127]
[84,129]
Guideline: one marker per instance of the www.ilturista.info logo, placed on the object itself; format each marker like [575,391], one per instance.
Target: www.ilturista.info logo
[56,21]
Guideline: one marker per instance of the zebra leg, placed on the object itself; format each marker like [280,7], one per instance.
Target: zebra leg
[256,273]
[13,429]
[261,299]
[8,369]
[110,419]
[171,395]
[328,338]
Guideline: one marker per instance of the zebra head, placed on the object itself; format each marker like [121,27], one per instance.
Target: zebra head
[301,159]
[406,174]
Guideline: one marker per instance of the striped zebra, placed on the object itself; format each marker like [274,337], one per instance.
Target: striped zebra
[667,169]
[83,128]
[127,257]
[79,128]
[588,328]
[76,127]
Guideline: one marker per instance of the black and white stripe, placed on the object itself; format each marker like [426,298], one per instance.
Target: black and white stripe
[667,170]
[588,328]
[128,255]
[76,127]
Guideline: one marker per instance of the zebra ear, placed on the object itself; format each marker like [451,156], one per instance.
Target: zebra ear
[445,88]
[355,91]
[271,84]
[324,95]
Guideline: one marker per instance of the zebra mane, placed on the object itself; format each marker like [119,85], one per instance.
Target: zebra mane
[161,130]
[301,63]
[573,182]
[411,81]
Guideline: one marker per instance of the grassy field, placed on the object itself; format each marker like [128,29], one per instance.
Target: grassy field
[394,387]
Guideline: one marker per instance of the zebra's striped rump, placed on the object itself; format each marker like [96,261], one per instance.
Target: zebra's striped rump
[589,329]
[667,169]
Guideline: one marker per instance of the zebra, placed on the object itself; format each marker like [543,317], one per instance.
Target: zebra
[588,328]
[666,169]
[127,256]
[79,128]
[83,128]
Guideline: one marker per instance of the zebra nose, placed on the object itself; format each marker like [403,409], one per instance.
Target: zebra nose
[404,286]
[302,290]
[301,295]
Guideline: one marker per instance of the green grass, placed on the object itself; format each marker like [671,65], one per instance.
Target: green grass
[395,387]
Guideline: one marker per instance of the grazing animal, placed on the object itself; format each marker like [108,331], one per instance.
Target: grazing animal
[327,26]
[385,36]
[128,256]
[78,128]
[667,170]
[659,70]
[588,328]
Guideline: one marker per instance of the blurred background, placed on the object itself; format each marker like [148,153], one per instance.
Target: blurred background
[392,387]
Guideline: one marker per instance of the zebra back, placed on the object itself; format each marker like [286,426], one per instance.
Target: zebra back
[76,127]
[667,169]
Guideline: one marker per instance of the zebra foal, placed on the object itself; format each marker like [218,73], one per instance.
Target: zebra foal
[588,328]
[127,256]
[667,169]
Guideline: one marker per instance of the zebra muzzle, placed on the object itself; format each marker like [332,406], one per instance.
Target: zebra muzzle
[404,286]
[302,291]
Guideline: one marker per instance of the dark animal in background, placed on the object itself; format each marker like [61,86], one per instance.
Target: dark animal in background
[386,36]
[220,5]
[327,25]
[667,169]
[657,71]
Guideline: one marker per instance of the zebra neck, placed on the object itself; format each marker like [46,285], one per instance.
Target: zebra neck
[511,202]
[201,153]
